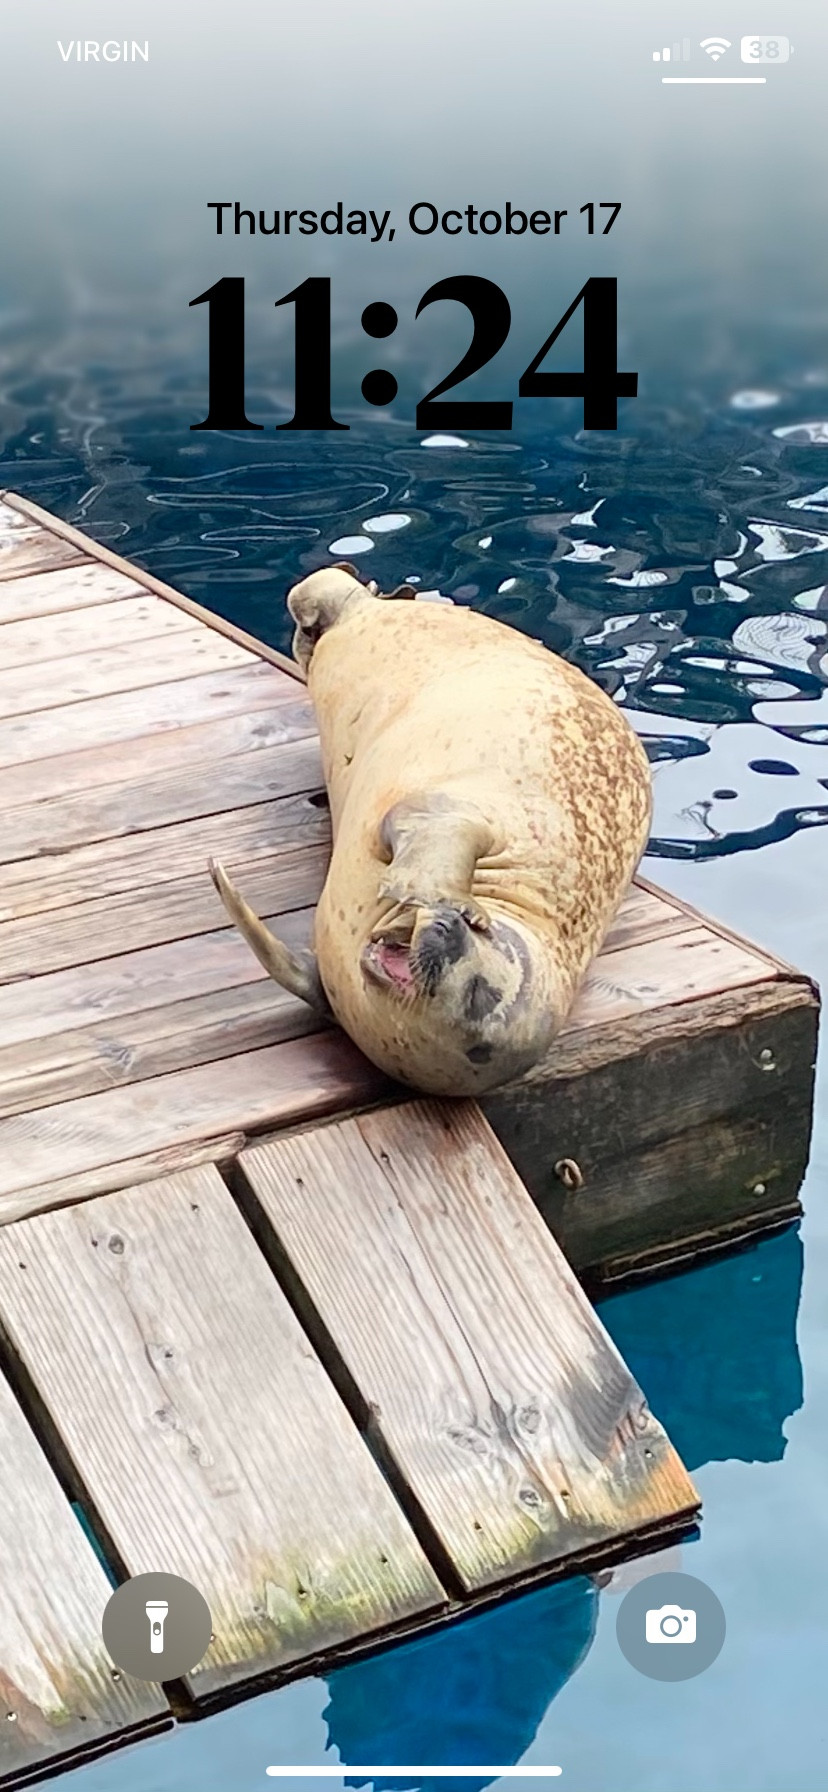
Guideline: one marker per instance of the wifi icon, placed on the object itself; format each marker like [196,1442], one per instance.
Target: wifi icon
[715,46]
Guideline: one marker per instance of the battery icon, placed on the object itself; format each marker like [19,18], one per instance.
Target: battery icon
[766,49]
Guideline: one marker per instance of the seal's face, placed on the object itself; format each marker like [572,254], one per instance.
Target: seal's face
[474,989]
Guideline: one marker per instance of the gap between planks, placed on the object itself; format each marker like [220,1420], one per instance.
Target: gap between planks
[207,1436]
[494,1395]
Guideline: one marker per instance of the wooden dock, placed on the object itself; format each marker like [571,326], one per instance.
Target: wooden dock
[268,1322]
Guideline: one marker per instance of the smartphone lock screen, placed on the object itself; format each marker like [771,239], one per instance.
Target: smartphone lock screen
[413,868]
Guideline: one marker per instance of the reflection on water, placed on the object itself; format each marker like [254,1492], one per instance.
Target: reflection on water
[475,1693]
[716,1351]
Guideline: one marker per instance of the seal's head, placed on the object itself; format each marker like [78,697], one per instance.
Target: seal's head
[320,600]
[317,602]
[468,1002]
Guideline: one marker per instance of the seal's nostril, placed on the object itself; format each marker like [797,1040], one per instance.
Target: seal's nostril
[481,998]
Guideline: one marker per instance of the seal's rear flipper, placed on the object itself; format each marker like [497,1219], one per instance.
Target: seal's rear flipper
[297,972]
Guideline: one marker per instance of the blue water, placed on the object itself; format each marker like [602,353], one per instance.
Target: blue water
[684,564]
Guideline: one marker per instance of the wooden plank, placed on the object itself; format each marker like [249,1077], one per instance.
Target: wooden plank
[728,1176]
[181,794]
[67,533]
[278,1086]
[644,915]
[206,1433]
[44,1006]
[178,909]
[58,1694]
[94,1026]
[126,714]
[131,667]
[25,546]
[110,867]
[149,1043]
[131,1172]
[697,917]
[658,973]
[136,618]
[271,716]
[81,1030]
[494,1389]
[284,1083]
[74,587]
[647,1109]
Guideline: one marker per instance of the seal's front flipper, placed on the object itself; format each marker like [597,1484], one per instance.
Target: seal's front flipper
[297,972]
[434,843]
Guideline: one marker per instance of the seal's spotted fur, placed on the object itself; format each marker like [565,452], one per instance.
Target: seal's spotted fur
[489,807]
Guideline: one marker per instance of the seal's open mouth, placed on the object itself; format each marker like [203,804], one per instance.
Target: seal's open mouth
[414,950]
[389,963]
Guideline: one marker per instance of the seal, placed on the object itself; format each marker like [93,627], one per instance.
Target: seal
[489,805]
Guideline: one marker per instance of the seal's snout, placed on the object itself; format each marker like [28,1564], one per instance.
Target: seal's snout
[413,951]
[440,942]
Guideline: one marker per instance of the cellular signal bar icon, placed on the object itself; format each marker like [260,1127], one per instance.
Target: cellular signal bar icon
[678,53]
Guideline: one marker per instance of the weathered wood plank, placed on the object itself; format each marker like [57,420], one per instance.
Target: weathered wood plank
[130,1172]
[126,714]
[25,546]
[256,1089]
[138,618]
[149,1043]
[730,1175]
[75,587]
[58,1695]
[182,794]
[633,1105]
[696,917]
[95,550]
[82,1030]
[111,867]
[44,1006]
[501,1400]
[644,916]
[178,909]
[202,1425]
[281,1085]
[272,716]
[677,968]
[133,666]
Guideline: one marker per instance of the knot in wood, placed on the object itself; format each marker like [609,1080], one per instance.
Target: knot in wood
[569,1173]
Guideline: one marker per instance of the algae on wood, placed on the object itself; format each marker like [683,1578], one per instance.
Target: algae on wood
[59,1692]
[202,1425]
[427,1276]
